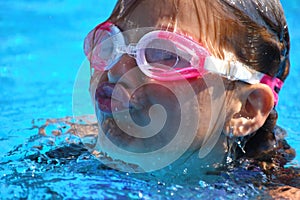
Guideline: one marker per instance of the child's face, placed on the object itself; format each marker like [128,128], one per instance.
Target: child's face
[203,104]
[140,114]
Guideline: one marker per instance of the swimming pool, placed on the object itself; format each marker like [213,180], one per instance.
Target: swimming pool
[41,51]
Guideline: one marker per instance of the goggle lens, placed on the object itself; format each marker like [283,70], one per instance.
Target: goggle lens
[163,55]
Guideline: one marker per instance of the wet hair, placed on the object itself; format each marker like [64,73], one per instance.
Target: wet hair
[254,31]
[260,39]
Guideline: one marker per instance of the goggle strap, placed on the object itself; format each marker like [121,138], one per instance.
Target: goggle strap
[234,70]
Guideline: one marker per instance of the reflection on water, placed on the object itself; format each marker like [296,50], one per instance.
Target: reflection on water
[53,163]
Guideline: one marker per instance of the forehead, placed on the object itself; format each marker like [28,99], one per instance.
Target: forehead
[180,16]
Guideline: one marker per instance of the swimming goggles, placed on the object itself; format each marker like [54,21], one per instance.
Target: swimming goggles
[167,56]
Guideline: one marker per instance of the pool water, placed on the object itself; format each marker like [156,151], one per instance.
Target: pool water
[40,53]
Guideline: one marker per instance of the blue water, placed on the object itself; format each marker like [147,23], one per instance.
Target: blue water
[40,53]
[288,108]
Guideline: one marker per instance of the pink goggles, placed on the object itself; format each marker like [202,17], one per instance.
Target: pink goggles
[167,56]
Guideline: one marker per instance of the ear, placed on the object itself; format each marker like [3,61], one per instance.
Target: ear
[257,103]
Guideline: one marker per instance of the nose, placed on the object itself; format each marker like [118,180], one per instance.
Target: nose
[125,64]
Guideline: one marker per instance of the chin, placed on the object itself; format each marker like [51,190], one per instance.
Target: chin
[109,128]
[117,145]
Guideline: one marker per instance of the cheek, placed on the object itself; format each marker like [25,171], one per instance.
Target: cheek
[204,114]
[180,105]
[211,98]
[159,96]
[205,106]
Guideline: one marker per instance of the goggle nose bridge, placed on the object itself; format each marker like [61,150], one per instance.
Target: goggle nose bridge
[130,49]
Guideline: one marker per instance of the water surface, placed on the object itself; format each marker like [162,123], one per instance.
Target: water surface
[41,51]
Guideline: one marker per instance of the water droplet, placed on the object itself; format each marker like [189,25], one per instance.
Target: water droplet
[203,184]
[185,171]
[241,145]
[229,160]
[160,183]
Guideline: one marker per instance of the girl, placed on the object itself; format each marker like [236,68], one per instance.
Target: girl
[187,82]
